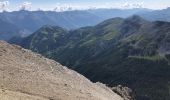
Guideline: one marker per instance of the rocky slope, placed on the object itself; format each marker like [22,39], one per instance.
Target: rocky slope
[29,76]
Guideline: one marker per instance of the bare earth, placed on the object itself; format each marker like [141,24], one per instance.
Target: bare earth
[28,76]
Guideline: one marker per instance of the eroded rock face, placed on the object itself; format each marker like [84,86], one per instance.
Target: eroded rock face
[124,92]
[29,76]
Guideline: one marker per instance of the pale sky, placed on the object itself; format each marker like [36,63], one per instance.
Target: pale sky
[62,5]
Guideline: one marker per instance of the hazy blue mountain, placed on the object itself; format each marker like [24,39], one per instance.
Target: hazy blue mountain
[123,13]
[159,15]
[29,21]
[133,52]
[8,30]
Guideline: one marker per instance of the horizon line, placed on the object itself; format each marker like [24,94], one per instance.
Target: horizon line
[81,9]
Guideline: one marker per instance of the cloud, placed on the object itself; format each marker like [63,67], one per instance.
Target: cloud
[25,6]
[65,7]
[3,5]
[133,5]
[39,9]
[126,5]
[60,9]
[70,7]
[138,5]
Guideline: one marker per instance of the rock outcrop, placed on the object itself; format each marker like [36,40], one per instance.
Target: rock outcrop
[124,92]
[28,76]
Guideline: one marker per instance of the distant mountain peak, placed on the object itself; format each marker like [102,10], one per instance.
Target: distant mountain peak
[132,25]
[51,28]
[136,18]
[168,8]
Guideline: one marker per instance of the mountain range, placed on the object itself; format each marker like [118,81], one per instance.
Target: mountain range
[25,22]
[131,51]
[159,15]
